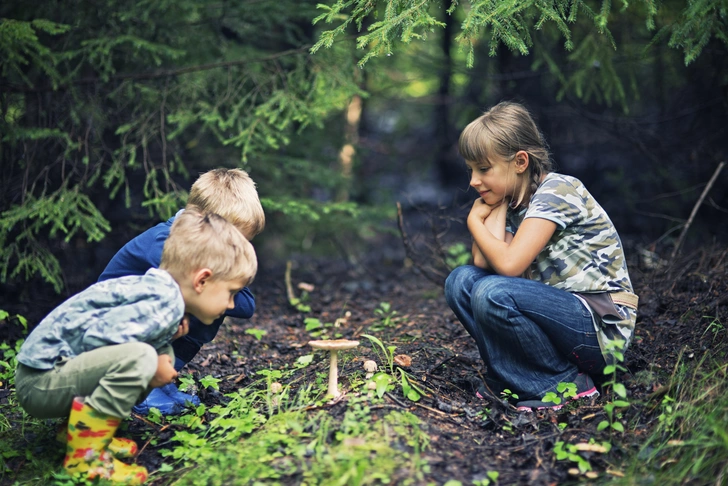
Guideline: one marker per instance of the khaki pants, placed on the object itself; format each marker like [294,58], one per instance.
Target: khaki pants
[112,378]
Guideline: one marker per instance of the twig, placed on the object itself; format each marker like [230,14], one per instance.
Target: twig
[289,288]
[432,274]
[712,180]
[150,439]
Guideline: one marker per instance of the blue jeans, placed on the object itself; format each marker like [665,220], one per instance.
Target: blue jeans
[531,336]
[186,347]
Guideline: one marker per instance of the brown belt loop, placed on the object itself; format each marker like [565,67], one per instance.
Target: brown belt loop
[627,299]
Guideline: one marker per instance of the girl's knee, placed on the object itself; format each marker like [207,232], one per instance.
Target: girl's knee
[492,289]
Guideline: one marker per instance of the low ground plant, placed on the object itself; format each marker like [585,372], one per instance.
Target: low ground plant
[689,445]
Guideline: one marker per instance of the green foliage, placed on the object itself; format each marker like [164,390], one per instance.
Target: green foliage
[457,254]
[9,361]
[689,445]
[257,333]
[110,99]
[614,407]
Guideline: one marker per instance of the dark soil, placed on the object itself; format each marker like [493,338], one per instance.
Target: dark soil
[465,443]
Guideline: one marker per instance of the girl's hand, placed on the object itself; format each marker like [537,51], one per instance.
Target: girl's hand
[479,212]
[165,372]
[184,328]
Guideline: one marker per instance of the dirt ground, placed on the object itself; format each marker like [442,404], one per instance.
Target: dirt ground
[465,442]
[464,445]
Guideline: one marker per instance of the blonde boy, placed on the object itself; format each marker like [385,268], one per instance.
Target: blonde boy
[230,193]
[100,352]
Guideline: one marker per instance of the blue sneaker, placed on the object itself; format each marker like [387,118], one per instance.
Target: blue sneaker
[168,399]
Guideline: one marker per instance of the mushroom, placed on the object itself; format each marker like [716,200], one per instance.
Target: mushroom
[333,346]
[370,367]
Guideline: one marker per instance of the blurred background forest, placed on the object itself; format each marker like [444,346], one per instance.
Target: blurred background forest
[110,109]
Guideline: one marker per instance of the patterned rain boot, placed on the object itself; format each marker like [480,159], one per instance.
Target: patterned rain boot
[89,435]
[119,447]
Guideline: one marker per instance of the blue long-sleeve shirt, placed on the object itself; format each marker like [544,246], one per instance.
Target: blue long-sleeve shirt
[145,252]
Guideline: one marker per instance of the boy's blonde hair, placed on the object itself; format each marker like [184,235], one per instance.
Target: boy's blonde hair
[205,240]
[230,193]
[501,132]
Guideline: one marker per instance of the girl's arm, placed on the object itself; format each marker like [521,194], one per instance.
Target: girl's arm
[495,222]
[510,259]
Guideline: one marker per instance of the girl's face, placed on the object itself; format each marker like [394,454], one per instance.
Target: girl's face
[495,182]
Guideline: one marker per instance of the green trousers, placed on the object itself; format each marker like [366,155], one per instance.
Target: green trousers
[112,378]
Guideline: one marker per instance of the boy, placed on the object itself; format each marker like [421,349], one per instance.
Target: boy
[99,352]
[231,194]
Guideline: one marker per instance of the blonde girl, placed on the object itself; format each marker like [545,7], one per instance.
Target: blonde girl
[549,287]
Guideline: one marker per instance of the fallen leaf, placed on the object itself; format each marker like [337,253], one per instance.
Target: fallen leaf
[403,360]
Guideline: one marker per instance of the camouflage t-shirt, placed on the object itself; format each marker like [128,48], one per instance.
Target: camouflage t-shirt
[585,253]
[141,308]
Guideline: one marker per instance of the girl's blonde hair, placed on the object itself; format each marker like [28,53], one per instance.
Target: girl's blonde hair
[230,193]
[500,133]
[205,240]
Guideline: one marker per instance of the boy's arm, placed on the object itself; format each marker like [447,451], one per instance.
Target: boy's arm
[244,305]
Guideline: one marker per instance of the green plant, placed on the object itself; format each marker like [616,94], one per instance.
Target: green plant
[689,444]
[9,360]
[384,380]
[387,353]
[386,315]
[319,329]
[507,395]
[457,254]
[492,478]
[564,451]
[563,390]
[612,408]
[715,327]
[257,333]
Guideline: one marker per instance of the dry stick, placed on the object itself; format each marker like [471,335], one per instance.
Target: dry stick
[289,287]
[695,210]
[411,254]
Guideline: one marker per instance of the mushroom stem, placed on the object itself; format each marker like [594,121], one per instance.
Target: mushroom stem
[334,374]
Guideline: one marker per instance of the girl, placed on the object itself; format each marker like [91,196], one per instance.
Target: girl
[548,288]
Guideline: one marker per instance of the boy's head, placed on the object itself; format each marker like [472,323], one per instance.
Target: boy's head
[230,193]
[205,240]
[210,260]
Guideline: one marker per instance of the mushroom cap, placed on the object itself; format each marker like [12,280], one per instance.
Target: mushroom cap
[370,365]
[333,344]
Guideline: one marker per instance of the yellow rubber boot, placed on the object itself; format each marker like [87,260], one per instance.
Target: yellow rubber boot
[89,435]
[119,447]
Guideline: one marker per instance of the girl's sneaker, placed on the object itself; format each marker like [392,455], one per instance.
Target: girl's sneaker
[584,388]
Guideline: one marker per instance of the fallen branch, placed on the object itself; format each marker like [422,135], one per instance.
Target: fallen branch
[680,240]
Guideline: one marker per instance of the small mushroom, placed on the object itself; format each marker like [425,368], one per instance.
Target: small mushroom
[370,367]
[333,346]
[403,360]
[276,387]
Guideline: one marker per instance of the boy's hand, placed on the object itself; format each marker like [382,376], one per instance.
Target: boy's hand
[165,372]
[184,328]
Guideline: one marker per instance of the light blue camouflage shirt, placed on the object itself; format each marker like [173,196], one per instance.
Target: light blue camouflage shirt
[140,308]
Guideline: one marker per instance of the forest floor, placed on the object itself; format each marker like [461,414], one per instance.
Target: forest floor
[681,320]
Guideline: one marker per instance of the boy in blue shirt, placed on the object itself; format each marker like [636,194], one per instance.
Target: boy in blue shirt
[230,193]
[101,351]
